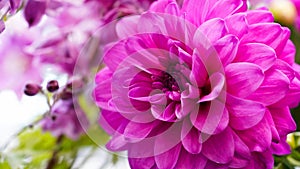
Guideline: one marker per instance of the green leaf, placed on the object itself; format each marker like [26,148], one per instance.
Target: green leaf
[36,140]
[4,165]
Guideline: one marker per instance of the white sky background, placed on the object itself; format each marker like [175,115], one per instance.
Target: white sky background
[15,114]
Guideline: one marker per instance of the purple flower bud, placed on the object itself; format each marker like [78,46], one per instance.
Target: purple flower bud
[34,10]
[52,86]
[32,89]
[66,94]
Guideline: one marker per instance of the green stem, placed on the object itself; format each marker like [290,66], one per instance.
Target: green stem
[52,162]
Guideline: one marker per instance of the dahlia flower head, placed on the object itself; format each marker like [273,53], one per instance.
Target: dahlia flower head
[206,84]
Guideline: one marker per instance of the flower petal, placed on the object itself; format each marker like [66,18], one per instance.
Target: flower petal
[203,7]
[257,53]
[257,138]
[212,118]
[292,97]
[142,163]
[237,24]
[259,16]
[132,127]
[102,91]
[191,138]
[281,148]
[243,78]
[227,48]
[217,82]
[257,33]
[274,80]
[219,148]
[288,53]
[127,26]
[283,120]
[262,160]
[34,10]
[224,8]
[242,153]
[213,29]
[188,160]
[169,158]
[199,72]
[111,121]
[244,114]
[117,143]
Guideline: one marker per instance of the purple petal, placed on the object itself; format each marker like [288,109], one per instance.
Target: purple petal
[169,139]
[292,97]
[203,7]
[284,68]
[141,163]
[257,53]
[244,113]
[102,92]
[159,6]
[275,134]
[172,8]
[211,119]
[259,16]
[127,26]
[274,80]
[282,40]
[219,148]
[281,148]
[34,10]
[257,34]
[243,78]
[199,72]
[242,153]
[237,24]
[283,120]
[191,138]
[168,159]
[224,8]
[115,55]
[143,129]
[217,82]
[257,138]
[262,160]
[189,103]
[213,29]
[111,121]
[227,48]
[288,53]
[14,5]
[117,143]
[214,165]
[191,161]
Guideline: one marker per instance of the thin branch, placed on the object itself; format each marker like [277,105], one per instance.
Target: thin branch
[52,162]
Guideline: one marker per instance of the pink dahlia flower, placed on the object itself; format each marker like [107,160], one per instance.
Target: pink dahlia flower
[204,85]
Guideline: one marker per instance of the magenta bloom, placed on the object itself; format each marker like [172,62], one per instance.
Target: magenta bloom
[204,85]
